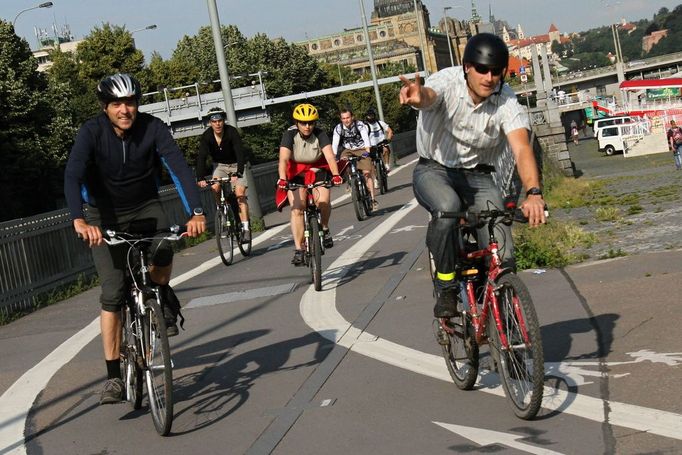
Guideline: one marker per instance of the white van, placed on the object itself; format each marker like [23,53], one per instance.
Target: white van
[610,121]
[617,138]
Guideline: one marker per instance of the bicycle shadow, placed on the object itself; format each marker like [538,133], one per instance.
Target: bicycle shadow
[222,385]
[361,266]
[560,375]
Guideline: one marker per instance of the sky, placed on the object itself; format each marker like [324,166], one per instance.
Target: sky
[300,19]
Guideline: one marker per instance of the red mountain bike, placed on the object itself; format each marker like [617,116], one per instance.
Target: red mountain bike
[494,307]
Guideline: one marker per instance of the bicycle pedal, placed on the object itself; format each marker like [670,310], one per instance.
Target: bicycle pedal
[441,335]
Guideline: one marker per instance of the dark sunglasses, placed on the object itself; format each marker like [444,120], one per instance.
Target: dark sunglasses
[482,69]
[307,123]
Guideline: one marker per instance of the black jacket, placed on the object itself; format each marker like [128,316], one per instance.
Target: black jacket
[229,151]
[109,172]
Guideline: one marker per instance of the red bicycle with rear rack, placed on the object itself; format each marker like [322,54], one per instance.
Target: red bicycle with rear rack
[494,307]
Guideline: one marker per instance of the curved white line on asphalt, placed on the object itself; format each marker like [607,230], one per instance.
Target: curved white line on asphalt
[17,400]
[318,310]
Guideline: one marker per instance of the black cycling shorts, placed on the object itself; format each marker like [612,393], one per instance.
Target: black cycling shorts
[111,261]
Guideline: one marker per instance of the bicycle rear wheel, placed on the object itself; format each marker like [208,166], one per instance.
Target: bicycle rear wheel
[356,197]
[521,367]
[460,350]
[381,176]
[130,368]
[158,367]
[224,223]
[315,253]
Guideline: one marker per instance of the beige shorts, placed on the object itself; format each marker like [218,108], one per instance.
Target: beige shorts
[364,164]
[224,170]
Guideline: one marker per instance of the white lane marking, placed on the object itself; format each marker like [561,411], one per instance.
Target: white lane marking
[17,400]
[484,438]
[318,310]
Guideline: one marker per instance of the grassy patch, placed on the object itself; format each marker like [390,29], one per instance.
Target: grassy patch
[609,213]
[613,254]
[551,245]
[635,209]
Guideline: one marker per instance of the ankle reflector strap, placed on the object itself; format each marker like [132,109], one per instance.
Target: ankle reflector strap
[445,276]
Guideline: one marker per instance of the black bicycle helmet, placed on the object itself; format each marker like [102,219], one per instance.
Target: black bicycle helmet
[371,113]
[486,49]
[118,86]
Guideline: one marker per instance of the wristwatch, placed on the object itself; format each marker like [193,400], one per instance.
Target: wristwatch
[198,212]
[534,191]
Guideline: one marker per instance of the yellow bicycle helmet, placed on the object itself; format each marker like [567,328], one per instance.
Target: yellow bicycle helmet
[305,113]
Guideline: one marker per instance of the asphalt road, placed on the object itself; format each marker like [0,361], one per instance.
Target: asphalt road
[268,365]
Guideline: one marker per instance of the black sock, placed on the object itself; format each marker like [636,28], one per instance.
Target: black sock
[113,369]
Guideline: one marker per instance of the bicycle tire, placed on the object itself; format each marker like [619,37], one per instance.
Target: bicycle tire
[130,369]
[384,185]
[316,253]
[158,367]
[521,368]
[461,352]
[244,248]
[358,204]
[381,176]
[365,195]
[223,232]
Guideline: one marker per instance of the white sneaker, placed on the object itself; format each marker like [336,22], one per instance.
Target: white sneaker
[388,168]
[376,184]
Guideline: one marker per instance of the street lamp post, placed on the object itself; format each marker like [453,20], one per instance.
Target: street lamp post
[421,37]
[148,27]
[447,33]
[42,5]
[251,192]
[377,94]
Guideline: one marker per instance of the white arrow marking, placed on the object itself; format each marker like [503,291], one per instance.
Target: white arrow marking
[406,229]
[488,437]
[346,229]
[318,310]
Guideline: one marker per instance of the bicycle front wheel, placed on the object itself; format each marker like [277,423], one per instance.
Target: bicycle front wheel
[521,366]
[158,367]
[315,253]
[356,196]
[130,368]
[384,185]
[224,222]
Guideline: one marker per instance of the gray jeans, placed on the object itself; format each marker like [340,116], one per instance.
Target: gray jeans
[438,188]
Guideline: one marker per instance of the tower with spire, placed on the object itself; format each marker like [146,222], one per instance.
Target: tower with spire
[475,18]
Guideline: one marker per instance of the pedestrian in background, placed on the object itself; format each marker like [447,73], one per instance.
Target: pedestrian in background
[675,143]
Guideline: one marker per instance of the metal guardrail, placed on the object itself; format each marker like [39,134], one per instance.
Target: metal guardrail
[41,253]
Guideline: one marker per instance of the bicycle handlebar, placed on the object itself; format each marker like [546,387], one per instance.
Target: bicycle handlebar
[476,218]
[228,179]
[323,183]
[112,237]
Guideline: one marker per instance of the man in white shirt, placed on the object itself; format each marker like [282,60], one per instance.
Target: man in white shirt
[467,119]
[353,138]
[378,132]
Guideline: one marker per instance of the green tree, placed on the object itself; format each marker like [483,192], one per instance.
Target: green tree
[27,178]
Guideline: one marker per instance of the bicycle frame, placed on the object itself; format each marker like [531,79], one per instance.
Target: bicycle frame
[479,308]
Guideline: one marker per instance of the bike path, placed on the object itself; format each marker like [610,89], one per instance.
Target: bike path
[366,394]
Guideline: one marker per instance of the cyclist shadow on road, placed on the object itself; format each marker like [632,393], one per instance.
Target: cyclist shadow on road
[220,385]
[343,276]
[566,368]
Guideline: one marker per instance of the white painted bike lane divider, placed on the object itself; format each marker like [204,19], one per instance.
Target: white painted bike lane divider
[319,312]
[17,400]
